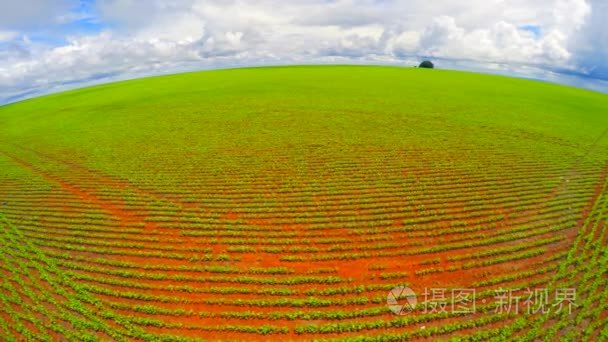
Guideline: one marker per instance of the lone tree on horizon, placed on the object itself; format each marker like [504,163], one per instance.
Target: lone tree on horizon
[427,64]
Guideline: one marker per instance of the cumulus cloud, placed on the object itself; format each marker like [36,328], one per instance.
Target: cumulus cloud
[500,42]
[150,37]
[591,42]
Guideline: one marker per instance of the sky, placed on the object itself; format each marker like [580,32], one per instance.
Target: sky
[54,45]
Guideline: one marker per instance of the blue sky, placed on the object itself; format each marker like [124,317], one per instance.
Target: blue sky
[54,45]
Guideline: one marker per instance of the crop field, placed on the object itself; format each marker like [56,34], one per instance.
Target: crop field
[286,203]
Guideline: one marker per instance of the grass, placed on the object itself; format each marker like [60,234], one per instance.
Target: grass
[287,202]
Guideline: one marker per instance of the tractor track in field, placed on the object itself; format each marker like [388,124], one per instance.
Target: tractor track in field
[116,211]
[85,196]
[108,180]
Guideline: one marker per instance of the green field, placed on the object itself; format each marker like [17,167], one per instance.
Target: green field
[285,203]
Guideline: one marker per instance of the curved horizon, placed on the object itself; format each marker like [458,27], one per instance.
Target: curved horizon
[596,87]
[51,46]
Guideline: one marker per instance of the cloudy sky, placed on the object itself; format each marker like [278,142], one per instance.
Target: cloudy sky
[53,45]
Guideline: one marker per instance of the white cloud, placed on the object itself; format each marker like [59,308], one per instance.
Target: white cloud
[147,37]
[571,14]
[590,43]
[8,35]
[501,42]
